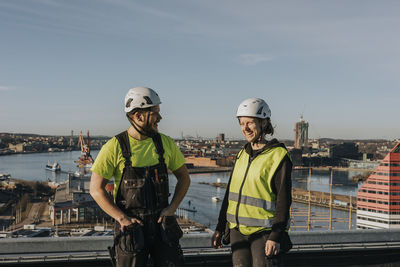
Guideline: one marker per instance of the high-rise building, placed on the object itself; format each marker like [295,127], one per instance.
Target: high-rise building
[378,199]
[301,134]
[221,137]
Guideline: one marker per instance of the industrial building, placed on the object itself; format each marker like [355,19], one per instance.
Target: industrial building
[73,202]
[348,150]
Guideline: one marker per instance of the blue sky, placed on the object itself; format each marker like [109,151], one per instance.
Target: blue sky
[67,65]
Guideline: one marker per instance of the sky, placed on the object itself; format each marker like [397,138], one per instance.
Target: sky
[67,65]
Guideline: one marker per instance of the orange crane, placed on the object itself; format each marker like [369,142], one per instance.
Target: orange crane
[85,158]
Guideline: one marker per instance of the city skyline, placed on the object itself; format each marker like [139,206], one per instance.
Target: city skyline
[68,65]
[198,137]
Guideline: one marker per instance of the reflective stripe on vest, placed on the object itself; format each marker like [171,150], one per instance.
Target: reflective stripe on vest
[251,199]
[266,223]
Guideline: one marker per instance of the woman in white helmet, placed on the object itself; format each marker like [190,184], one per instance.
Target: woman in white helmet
[139,159]
[254,215]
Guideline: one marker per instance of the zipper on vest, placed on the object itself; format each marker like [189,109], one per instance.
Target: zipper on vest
[240,192]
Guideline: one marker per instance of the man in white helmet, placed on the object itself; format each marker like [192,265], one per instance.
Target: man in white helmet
[139,159]
[254,215]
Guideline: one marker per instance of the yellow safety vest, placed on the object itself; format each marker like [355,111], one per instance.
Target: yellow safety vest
[251,200]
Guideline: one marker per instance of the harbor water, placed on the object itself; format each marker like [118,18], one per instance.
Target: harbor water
[200,195]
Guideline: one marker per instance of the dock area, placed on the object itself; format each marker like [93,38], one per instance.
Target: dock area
[316,198]
[209,169]
[322,199]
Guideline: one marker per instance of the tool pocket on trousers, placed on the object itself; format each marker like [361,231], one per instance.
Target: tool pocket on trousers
[131,240]
[170,230]
[161,194]
[133,192]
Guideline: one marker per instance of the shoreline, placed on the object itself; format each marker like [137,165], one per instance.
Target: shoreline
[210,170]
[333,168]
[38,152]
[229,169]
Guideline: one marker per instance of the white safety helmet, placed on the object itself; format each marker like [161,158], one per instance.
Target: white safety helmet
[254,107]
[141,97]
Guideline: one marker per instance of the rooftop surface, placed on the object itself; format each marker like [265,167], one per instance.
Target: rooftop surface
[317,248]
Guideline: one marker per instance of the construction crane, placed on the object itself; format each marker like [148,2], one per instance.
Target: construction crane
[85,158]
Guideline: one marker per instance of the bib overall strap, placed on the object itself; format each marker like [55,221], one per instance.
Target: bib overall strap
[123,140]
[159,148]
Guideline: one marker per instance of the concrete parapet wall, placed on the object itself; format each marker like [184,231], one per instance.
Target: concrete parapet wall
[78,244]
[202,240]
[345,237]
[361,248]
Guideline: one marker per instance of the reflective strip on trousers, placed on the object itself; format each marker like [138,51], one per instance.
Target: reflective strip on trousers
[252,201]
[267,223]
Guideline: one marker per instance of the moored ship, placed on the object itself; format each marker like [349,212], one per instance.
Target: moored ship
[55,167]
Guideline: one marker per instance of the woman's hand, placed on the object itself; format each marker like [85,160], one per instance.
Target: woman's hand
[272,248]
[216,240]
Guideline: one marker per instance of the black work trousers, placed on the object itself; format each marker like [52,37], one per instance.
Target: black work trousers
[249,250]
[136,243]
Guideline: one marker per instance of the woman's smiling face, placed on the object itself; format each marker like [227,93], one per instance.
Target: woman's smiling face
[251,128]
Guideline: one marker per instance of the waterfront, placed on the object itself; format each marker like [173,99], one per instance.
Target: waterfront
[32,167]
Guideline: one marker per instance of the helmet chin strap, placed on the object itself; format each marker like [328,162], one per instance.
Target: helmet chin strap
[142,130]
[259,139]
